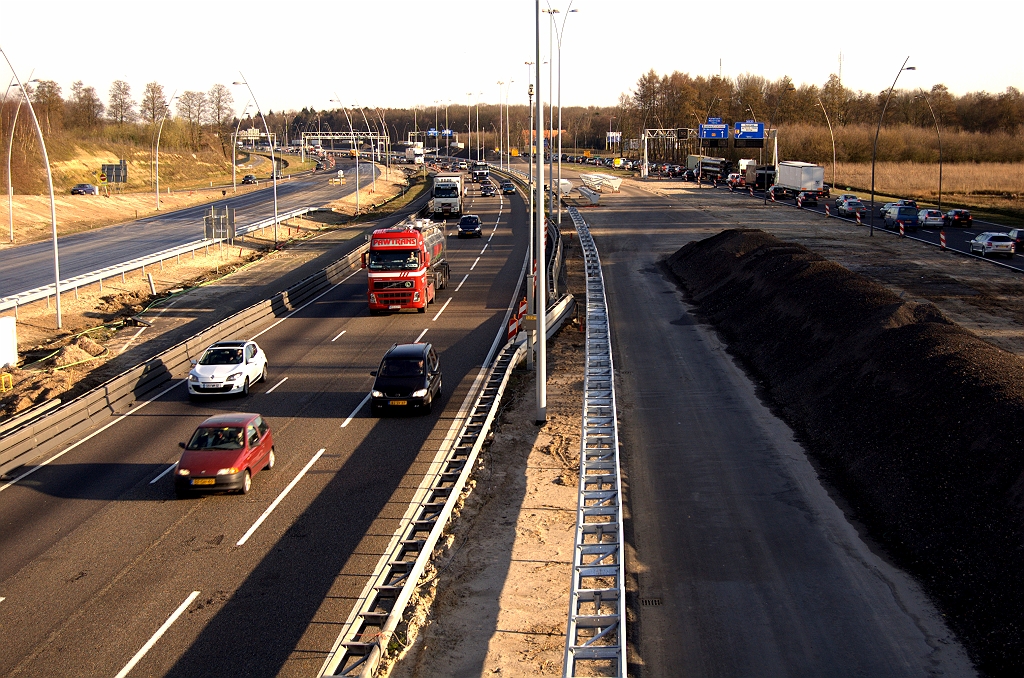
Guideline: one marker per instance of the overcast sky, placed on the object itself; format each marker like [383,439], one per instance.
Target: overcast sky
[401,53]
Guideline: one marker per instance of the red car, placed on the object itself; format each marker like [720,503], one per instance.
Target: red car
[225,452]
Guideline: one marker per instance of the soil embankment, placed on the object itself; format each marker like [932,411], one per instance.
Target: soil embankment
[913,419]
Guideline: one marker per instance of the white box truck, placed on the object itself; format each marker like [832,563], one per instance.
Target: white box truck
[447,195]
[794,177]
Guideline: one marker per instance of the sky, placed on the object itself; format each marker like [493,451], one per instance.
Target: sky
[404,53]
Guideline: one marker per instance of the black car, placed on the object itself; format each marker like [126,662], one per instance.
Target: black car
[807,198]
[957,218]
[508,188]
[487,191]
[249,179]
[1017,235]
[409,376]
[84,189]
[469,226]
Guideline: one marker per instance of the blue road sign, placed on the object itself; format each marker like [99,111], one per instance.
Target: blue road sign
[714,121]
[714,131]
[749,130]
[446,132]
[431,132]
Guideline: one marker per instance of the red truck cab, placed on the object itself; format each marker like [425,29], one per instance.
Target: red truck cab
[406,265]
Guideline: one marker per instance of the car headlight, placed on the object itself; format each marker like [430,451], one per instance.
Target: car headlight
[183,472]
[234,377]
[376,394]
[227,471]
[193,377]
[373,298]
[419,393]
[416,296]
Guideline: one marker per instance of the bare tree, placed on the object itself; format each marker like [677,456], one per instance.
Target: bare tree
[120,106]
[154,103]
[84,107]
[219,102]
[192,107]
[49,104]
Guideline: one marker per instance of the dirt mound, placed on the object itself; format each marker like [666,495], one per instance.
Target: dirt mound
[69,355]
[123,304]
[912,418]
[90,346]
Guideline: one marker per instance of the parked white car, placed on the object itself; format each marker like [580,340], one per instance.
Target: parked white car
[227,367]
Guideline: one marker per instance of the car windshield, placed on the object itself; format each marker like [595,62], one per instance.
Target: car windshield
[1000,238]
[393,260]
[469,221]
[216,438]
[222,356]
[854,203]
[402,367]
[446,192]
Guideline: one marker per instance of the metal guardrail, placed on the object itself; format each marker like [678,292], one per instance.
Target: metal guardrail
[596,632]
[97,276]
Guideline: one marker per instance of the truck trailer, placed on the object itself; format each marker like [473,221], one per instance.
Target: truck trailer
[447,195]
[795,177]
[406,265]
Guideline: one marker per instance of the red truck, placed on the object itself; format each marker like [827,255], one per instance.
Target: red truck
[406,265]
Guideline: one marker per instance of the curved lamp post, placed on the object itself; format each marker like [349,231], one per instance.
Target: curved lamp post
[273,161]
[352,131]
[234,148]
[10,147]
[157,161]
[874,149]
[559,32]
[373,152]
[939,137]
[771,121]
[822,107]
[49,184]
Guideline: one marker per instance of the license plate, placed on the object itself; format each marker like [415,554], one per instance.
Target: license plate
[398,402]
[394,307]
[210,385]
[204,481]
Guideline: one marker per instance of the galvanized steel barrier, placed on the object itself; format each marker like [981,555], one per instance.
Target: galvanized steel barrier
[39,293]
[596,633]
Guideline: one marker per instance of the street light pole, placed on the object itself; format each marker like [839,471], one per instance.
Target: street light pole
[939,137]
[352,131]
[501,126]
[234,148]
[159,132]
[10,147]
[373,154]
[874,149]
[49,184]
[822,106]
[541,305]
[560,33]
[273,161]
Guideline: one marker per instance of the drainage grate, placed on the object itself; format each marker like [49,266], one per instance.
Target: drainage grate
[650,602]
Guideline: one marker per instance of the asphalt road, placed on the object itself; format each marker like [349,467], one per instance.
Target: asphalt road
[957,238]
[30,266]
[744,564]
[99,555]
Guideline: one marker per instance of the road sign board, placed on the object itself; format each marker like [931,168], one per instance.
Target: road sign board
[103,178]
[749,130]
[713,131]
[446,132]
[431,132]
[714,121]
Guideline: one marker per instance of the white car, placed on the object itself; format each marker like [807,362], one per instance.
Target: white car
[227,367]
[993,243]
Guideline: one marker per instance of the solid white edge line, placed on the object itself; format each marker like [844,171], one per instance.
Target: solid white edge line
[156,636]
[442,309]
[360,406]
[464,279]
[92,435]
[339,336]
[314,299]
[284,493]
[475,263]
[163,473]
[417,340]
[271,389]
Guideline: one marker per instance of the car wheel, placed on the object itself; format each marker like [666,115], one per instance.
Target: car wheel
[246,483]
[263,374]
[428,406]
[245,387]
[422,309]
[271,460]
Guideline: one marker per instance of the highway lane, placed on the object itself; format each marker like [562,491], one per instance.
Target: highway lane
[30,266]
[957,238]
[100,556]
[744,565]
